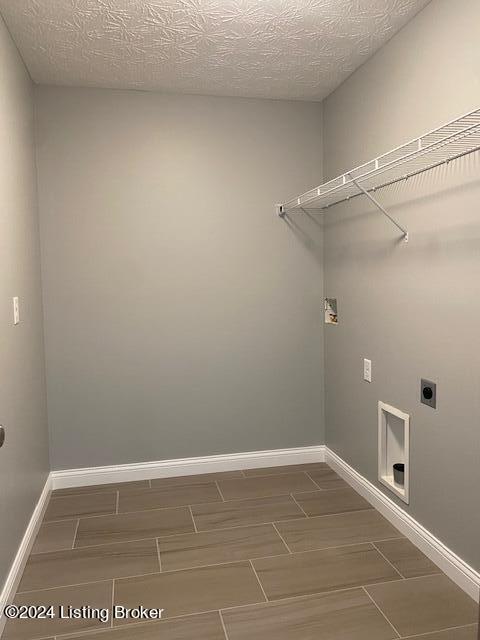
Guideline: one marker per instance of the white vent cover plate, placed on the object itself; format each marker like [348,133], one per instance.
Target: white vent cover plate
[393,447]
[291,49]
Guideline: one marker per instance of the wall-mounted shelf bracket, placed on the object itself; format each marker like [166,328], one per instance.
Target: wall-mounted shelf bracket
[379,206]
[279,210]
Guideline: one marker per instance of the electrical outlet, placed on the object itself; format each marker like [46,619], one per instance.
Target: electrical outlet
[367,370]
[16,311]
[428,393]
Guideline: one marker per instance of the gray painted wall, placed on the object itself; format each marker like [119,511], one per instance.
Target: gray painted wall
[413,309]
[24,456]
[183,318]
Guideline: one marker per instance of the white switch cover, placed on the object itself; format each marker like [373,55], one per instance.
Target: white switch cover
[16,311]
[367,370]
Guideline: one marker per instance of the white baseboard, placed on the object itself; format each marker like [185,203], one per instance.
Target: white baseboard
[459,571]
[185,466]
[15,574]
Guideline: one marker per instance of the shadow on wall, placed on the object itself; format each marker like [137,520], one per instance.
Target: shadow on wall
[309,230]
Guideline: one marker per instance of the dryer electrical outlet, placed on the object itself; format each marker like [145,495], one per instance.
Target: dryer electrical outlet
[428,393]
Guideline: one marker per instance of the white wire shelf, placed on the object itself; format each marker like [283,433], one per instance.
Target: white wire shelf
[449,142]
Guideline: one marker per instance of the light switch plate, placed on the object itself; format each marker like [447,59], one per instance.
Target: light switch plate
[367,370]
[16,311]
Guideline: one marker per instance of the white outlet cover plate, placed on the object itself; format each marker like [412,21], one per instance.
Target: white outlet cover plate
[16,311]
[367,370]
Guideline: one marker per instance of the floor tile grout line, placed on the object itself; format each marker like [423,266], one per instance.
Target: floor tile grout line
[217,564]
[193,519]
[323,490]
[124,513]
[176,506]
[242,526]
[158,553]
[200,504]
[108,544]
[298,505]
[83,584]
[309,595]
[219,491]
[258,580]
[246,526]
[387,560]
[223,625]
[75,534]
[79,517]
[426,575]
[282,538]
[113,602]
[279,473]
[83,494]
[376,605]
[315,483]
[302,519]
[427,633]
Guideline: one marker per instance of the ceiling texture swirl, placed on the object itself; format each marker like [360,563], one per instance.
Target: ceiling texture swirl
[284,49]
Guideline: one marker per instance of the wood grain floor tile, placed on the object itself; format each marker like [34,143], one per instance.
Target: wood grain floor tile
[346,615]
[153,523]
[245,512]
[321,503]
[319,571]
[203,478]
[123,487]
[460,633]
[265,486]
[334,531]
[405,557]
[98,594]
[175,496]
[192,590]
[215,547]
[229,556]
[420,605]
[55,536]
[91,564]
[327,479]
[290,468]
[204,626]
[68,507]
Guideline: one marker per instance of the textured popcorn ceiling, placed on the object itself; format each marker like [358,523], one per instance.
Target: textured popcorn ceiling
[300,49]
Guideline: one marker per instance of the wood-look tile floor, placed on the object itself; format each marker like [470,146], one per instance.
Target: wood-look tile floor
[282,553]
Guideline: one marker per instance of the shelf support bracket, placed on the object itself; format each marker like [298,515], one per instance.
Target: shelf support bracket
[379,206]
